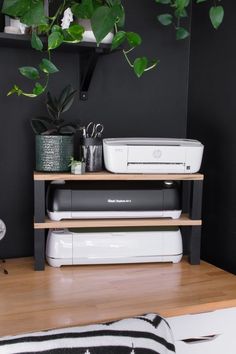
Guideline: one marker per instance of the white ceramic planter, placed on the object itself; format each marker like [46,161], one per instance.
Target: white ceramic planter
[88,35]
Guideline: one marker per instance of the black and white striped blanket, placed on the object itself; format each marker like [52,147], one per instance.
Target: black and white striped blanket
[147,334]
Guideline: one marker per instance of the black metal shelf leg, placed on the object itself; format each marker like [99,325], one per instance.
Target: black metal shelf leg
[196,200]
[39,249]
[195,245]
[39,216]
[186,188]
[39,201]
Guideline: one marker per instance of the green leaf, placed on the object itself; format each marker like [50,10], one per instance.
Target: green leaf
[76,32]
[181,4]
[97,3]
[67,129]
[48,67]
[56,28]
[117,12]
[51,101]
[55,39]
[68,102]
[15,89]
[199,1]
[140,64]
[102,22]
[121,22]
[118,39]
[20,92]
[104,19]
[36,42]
[38,89]
[165,19]
[52,106]
[39,125]
[66,37]
[15,8]
[30,72]
[181,12]
[152,64]
[111,2]
[163,1]
[64,94]
[66,98]
[43,28]
[181,33]
[35,15]
[30,95]
[133,38]
[75,8]
[83,10]
[216,15]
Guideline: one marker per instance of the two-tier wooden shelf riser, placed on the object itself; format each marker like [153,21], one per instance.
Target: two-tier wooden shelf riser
[192,185]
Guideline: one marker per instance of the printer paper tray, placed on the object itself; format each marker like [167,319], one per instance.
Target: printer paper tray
[156,168]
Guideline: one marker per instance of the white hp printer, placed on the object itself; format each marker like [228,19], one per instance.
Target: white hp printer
[152,155]
[65,247]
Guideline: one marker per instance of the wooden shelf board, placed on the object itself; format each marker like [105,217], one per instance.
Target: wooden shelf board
[107,176]
[184,220]
[23,41]
[78,295]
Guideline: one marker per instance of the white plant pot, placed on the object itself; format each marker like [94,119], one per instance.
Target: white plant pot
[88,35]
[16,27]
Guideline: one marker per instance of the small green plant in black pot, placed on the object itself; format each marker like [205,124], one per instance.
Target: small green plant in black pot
[54,137]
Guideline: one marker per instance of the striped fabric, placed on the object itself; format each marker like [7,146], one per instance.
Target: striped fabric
[147,334]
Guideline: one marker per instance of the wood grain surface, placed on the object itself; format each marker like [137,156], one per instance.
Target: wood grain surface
[75,295]
[107,176]
[184,220]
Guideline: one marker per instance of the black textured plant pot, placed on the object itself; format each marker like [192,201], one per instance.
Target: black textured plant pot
[53,152]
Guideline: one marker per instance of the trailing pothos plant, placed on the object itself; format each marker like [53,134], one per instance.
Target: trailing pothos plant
[178,10]
[105,16]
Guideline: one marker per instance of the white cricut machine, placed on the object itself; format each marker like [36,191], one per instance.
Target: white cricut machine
[152,155]
[65,247]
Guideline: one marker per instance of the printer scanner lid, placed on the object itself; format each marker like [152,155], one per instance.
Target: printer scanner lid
[152,142]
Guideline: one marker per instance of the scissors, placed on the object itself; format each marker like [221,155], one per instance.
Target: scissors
[94,130]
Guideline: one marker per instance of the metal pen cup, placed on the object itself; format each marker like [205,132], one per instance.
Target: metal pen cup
[92,153]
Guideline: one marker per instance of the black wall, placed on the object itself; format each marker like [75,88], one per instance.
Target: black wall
[212,119]
[154,105]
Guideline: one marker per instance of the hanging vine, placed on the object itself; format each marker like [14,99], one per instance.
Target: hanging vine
[105,15]
[178,10]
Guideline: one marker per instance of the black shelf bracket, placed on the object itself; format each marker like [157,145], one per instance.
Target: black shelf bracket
[88,62]
[89,54]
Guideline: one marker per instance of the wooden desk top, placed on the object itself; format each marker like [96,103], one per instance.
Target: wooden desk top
[75,295]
